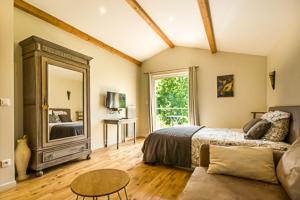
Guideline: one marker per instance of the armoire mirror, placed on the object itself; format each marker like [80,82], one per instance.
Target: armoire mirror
[65,101]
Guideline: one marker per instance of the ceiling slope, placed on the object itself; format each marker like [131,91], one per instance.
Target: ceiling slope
[66,27]
[239,26]
[111,21]
[140,11]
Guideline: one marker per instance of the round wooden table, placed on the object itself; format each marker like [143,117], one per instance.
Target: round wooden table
[102,182]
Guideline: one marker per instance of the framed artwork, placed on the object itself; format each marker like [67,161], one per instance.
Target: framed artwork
[225,86]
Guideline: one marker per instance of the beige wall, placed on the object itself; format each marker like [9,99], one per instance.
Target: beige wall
[285,60]
[108,72]
[7,175]
[57,96]
[249,78]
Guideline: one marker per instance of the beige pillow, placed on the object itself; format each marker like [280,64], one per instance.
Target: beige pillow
[288,170]
[247,162]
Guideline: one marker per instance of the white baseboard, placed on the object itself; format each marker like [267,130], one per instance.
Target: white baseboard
[8,185]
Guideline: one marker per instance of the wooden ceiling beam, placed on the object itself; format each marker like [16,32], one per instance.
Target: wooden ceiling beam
[206,18]
[69,28]
[140,11]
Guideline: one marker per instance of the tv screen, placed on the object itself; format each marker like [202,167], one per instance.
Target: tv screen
[115,100]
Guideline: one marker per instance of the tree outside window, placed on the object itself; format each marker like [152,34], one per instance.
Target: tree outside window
[171,101]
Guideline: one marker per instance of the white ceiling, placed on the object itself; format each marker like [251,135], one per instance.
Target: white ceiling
[241,26]
[251,26]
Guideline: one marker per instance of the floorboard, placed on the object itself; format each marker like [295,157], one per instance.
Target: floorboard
[147,182]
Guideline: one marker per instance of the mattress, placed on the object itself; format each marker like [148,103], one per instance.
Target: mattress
[228,137]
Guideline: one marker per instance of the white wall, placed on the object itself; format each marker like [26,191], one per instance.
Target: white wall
[285,60]
[7,175]
[108,72]
[249,79]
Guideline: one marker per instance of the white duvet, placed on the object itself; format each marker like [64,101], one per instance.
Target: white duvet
[227,137]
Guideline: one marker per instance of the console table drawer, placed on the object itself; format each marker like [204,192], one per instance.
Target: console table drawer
[48,156]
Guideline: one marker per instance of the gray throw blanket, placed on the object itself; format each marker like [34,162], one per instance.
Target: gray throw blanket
[66,130]
[170,146]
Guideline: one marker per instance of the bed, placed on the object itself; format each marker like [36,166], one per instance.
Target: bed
[156,146]
[59,130]
[228,137]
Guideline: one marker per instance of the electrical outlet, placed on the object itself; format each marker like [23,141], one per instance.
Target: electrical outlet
[5,163]
[4,102]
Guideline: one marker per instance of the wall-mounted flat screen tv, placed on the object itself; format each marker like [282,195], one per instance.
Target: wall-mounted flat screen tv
[115,100]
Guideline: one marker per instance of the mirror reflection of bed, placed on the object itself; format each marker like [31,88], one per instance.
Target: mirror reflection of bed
[65,99]
[59,129]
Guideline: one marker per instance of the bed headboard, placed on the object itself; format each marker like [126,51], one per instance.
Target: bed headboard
[294,132]
[67,110]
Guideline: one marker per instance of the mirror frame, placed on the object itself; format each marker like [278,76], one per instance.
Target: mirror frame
[46,61]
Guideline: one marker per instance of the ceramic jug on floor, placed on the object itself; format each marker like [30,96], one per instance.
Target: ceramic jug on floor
[22,156]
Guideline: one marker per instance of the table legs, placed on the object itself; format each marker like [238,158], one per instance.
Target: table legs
[105,135]
[123,133]
[108,197]
[125,193]
[118,130]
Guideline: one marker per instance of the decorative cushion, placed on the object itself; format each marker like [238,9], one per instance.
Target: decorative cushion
[279,125]
[53,119]
[249,124]
[258,130]
[64,118]
[288,171]
[247,162]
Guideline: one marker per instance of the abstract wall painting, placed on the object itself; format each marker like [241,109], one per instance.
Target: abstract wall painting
[225,86]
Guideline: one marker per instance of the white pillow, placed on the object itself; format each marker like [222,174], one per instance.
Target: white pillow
[247,162]
[273,116]
[59,112]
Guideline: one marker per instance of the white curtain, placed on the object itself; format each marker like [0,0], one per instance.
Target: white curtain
[193,97]
[150,103]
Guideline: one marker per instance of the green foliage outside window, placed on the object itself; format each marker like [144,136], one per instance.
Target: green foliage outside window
[172,100]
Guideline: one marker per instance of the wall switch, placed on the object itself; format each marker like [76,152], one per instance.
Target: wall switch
[5,163]
[4,102]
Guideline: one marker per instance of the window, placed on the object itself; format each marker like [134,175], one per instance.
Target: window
[170,92]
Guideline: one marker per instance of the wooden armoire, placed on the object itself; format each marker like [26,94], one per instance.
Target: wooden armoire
[56,85]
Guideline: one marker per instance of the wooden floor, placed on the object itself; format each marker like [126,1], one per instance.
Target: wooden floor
[147,182]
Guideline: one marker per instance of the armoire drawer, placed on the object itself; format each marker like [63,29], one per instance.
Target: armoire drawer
[48,156]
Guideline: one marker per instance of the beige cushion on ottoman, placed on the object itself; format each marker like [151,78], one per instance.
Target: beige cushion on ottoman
[288,170]
[204,186]
[247,162]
